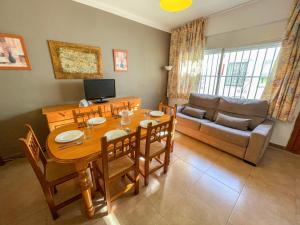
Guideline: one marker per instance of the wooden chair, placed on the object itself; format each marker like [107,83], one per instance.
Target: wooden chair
[133,106]
[82,115]
[169,110]
[119,157]
[172,111]
[152,148]
[117,108]
[49,173]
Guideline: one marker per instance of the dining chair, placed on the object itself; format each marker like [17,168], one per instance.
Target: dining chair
[82,115]
[117,108]
[171,111]
[119,157]
[153,148]
[49,173]
[133,106]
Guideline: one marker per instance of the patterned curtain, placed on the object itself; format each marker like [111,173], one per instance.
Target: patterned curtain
[284,90]
[186,52]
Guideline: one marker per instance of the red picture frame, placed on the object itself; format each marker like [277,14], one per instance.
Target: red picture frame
[120,60]
[13,53]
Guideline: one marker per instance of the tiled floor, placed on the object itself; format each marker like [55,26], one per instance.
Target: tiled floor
[203,186]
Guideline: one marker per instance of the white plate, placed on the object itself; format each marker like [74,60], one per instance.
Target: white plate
[144,123]
[96,120]
[113,134]
[69,136]
[130,113]
[156,113]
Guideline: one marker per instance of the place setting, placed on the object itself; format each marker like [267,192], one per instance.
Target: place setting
[76,137]
[148,115]
[125,121]
[69,138]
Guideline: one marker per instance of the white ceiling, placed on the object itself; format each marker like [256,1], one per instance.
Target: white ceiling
[149,13]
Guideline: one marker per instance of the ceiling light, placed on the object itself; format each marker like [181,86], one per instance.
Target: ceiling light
[175,5]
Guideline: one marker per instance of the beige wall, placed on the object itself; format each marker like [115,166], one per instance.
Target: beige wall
[24,93]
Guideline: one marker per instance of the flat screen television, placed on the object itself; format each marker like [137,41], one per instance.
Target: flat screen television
[98,90]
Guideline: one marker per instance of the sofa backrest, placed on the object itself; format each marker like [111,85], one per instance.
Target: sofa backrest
[206,102]
[256,110]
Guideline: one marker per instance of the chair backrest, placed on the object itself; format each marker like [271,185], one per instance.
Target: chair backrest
[117,108]
[121,146]
[159,132]
[34,153]
[169,110]
[82,115]
[133,106]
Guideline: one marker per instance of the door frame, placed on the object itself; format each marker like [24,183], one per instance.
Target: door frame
[294,135]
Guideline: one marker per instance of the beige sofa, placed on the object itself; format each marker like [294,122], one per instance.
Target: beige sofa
[246,144]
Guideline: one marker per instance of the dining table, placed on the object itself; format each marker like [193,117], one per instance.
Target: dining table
[83,152]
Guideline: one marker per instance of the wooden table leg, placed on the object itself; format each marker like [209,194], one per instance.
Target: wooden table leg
[85,186]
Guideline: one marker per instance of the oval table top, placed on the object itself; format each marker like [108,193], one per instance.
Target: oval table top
[91,147]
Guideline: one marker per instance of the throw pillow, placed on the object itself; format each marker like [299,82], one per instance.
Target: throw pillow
[233,122]
[193,112]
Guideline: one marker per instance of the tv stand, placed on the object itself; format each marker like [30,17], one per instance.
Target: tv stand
[61,115]
[99,101]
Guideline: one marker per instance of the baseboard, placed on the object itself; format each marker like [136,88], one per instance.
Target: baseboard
[10,157]
[2,162]
[277,146]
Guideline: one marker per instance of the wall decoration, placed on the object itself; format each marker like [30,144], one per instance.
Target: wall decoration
[120,60]
[75,61]
[13,53]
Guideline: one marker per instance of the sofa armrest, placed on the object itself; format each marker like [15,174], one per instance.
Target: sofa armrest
[259,140]
[180,108]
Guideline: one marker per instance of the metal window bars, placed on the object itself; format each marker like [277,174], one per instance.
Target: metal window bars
[238,72]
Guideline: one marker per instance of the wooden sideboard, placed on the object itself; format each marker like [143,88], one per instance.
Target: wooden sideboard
[60,115]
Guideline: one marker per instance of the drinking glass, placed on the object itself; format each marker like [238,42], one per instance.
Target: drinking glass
[125,120]
[147,114]
[88,131]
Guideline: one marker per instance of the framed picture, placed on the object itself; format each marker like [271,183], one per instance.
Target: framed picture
[75,61]
[13,53]
[120,60]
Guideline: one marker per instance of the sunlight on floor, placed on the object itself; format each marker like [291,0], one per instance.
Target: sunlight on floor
[111,219]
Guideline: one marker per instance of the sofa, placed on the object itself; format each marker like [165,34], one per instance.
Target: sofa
[206,124]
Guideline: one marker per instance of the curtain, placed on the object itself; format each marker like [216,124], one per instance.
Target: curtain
[284,90]
[186,52]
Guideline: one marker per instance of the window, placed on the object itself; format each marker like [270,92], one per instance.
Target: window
[238,72]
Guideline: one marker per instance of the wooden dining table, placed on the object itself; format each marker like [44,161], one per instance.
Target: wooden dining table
[90,148]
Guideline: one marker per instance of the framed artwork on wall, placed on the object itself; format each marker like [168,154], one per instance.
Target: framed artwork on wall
[120,60]
[75,61]
[13,53]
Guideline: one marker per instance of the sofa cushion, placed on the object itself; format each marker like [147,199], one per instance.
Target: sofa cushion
[205,102]
[233,122]
[191,122]
[256,110]
[194,112]
[231,135]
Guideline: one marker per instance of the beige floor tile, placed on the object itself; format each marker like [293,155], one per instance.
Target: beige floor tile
[41,217]
[141,213]
[201,157]
[231,171]
[298,206]
[298,220]
[298,187]
[181,175]
[203,186]
[261,204]
[211,191]
[277,169]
